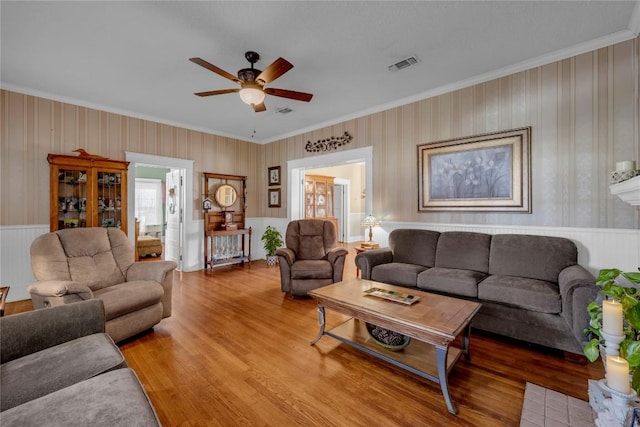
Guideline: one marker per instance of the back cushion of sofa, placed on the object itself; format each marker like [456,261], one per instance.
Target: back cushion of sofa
[414,246]
[535,257]
[90,258]
[464,251]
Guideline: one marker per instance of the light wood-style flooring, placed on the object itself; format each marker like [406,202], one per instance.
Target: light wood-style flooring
[236,352]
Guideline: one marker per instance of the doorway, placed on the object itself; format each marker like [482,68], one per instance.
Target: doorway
[175,250]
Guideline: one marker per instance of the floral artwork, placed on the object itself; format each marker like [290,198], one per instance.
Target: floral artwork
[489,173]
[475,174]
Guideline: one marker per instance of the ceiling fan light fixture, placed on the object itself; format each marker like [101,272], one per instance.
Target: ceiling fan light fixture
[252,95]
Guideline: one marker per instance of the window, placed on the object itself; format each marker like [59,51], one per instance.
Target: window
[148,206]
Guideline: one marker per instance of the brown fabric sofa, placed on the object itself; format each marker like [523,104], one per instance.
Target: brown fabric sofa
[59,368]
[77,264]
[530,287]
[312,257]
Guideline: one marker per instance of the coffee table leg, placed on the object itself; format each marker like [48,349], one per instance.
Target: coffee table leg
[321,316]
[441,354]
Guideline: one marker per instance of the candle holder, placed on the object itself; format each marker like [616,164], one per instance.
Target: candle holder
[613,407]
[611,343]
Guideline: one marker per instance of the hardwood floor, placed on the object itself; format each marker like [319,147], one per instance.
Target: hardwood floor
[236,352]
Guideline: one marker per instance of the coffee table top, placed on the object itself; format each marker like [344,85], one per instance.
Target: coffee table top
[436,319]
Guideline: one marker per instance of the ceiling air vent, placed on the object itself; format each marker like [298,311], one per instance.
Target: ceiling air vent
[285,110]
[407,62]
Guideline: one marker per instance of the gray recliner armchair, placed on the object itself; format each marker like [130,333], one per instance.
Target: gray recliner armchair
[72,265]
[312,258]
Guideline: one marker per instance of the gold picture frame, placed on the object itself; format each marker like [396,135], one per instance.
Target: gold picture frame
[482,173]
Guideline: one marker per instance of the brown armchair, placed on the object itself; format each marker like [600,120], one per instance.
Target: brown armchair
[312,258]
[83,263]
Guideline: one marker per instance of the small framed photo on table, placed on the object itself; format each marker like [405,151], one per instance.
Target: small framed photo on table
[274,175]
[274,197]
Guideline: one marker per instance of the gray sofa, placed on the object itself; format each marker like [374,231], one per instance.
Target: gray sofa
[530,287]
[59,368]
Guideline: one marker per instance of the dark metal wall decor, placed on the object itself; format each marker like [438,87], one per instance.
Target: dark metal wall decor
[329,143]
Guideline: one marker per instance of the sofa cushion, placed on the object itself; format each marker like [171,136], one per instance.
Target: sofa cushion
[414,246]
[463,251]
[535,257]
[112,399]
[312,269]
[55,368]
[451,281]
[530,294]
[397,273]
[128,297]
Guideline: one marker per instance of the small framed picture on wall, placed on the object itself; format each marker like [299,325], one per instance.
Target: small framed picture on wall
[274,175]
[274,197]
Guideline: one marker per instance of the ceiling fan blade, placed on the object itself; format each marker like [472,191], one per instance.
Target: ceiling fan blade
[217,92]
[259,107]
[275,70]
[292,94]
[215,69]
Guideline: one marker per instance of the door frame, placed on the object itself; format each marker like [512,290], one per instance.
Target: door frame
[190,258]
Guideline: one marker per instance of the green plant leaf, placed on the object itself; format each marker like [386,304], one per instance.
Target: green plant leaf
[606,275]
[635,380]
[632,353]
[592,350]
[632,277]
[632,317]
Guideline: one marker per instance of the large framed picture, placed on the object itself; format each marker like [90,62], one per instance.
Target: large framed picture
[489,172]
[274,175]
[274,197]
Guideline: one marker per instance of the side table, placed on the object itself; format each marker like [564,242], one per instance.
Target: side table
[3,298]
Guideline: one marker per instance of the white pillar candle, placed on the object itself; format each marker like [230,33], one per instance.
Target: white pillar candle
[618,374]
[627,165]
[612,317]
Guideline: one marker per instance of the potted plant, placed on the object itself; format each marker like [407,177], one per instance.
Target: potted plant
[629,297]
[272,240]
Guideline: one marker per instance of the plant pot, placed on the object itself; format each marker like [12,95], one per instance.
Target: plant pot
[272,260]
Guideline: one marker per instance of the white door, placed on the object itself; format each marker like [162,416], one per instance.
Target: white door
[174,207]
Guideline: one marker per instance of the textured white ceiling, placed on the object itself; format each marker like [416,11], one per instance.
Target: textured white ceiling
[132,57]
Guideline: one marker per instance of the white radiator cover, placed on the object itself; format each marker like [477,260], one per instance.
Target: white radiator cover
[597,247]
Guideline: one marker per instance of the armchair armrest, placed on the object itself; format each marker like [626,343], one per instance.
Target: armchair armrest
[150,270]
[286,254]
[32,331]
[366,260]
[335,253]
[60,288]
[577,289]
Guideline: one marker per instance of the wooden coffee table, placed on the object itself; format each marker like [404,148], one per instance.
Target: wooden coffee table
[433,323]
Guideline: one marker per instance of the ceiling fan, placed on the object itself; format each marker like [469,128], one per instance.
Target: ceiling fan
[252,81]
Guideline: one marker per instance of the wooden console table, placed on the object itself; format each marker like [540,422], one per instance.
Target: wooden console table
[225,247]
[3,299]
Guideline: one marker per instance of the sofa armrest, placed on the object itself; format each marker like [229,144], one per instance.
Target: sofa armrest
[60,288]
[334,254]
[32,331]
[577,289]
[286,254]
[366,260]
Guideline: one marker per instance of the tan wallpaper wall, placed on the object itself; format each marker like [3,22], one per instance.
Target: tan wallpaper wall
[583,112]
[584,117]
[33,127]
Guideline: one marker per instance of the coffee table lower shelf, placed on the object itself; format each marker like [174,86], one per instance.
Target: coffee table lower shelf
[418,357]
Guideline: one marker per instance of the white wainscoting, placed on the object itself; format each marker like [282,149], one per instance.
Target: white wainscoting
[598,248]
[15,260]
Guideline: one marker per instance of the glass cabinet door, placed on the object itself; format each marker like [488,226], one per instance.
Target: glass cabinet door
[321,199]
[72,198]
[109,199]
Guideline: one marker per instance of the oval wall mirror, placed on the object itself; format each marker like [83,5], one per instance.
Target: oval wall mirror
[226,195]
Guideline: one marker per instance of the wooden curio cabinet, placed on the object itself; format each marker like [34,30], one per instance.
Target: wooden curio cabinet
[318,198]
[87,192]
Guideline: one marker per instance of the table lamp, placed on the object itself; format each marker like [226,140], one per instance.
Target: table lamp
[370,221]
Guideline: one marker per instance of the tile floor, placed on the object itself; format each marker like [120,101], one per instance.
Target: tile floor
[547,408]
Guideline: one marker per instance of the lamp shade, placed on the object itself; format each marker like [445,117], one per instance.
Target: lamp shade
[252,95]
[370,221]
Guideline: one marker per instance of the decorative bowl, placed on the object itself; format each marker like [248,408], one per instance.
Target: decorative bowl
[387,338]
